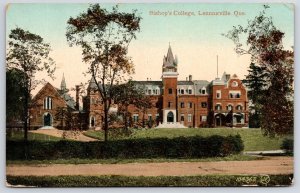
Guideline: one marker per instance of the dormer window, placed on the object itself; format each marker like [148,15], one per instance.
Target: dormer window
[48,103]
[190,91]
[203,90]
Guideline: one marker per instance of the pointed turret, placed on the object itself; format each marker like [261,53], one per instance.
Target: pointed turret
[169,60]
[92,84]
[63,85]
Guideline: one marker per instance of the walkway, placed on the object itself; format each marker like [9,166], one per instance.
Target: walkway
[273,165]
[74,135]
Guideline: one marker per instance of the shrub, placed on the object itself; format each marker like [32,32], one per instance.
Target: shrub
[288,145]
[181,147]
[145,181]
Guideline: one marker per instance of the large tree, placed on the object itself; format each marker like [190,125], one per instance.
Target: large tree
[130,94]
[256,81]
[15,96]
[264,44]
[104,36]
[28,53]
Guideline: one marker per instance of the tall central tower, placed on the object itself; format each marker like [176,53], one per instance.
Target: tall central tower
[169,78]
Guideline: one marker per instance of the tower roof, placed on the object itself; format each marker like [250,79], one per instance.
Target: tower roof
[63,85]
[92,84]
[169,60]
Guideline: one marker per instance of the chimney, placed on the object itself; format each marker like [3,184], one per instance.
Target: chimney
[186,78]
[227,77]
[190,77]
[77,97]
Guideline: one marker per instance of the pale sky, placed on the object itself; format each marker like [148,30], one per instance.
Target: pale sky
[196,40]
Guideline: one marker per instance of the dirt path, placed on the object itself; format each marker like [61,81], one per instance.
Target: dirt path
[74,135]
[274,165]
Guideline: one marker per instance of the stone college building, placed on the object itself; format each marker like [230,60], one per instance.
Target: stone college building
[175,103]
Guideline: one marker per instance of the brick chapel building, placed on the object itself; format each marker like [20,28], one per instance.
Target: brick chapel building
[175,103]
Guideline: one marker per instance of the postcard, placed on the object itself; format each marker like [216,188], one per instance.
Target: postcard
[149,95]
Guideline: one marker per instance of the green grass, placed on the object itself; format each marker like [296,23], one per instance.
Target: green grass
[124,161]
[141,181]
[253,138]
[19,135]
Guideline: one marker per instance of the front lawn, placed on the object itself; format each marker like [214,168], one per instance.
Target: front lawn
[19,135]
[253,138]
[238,157]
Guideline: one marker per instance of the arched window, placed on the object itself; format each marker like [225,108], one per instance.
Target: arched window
[229,107]
[170,117]
[239,107]
[93,122]
[218,107]
[48,103]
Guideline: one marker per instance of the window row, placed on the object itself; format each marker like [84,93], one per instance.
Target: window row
[203,118]
[229,107]
[234,95]
[152,92]
[135,117]
[190,105]
[186,91]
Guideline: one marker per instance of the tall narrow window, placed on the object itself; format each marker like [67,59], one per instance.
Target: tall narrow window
[218,94]
[182,104]
[190,105]
[48,103]
[170,91]
[189,118]
[182,117]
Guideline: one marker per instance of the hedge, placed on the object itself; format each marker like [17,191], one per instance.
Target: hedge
[288,146]
[181,147]
[143,181]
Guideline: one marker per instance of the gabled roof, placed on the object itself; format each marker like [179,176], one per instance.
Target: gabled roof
[151,82]
[184,82]
[69,101]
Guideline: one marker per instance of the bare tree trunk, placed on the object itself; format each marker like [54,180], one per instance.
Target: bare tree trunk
[105,123]
[25,116]
[125,119]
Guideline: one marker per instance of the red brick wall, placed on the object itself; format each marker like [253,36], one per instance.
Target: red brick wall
[37,110]
[169,83]
[195,110]
[225,98]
